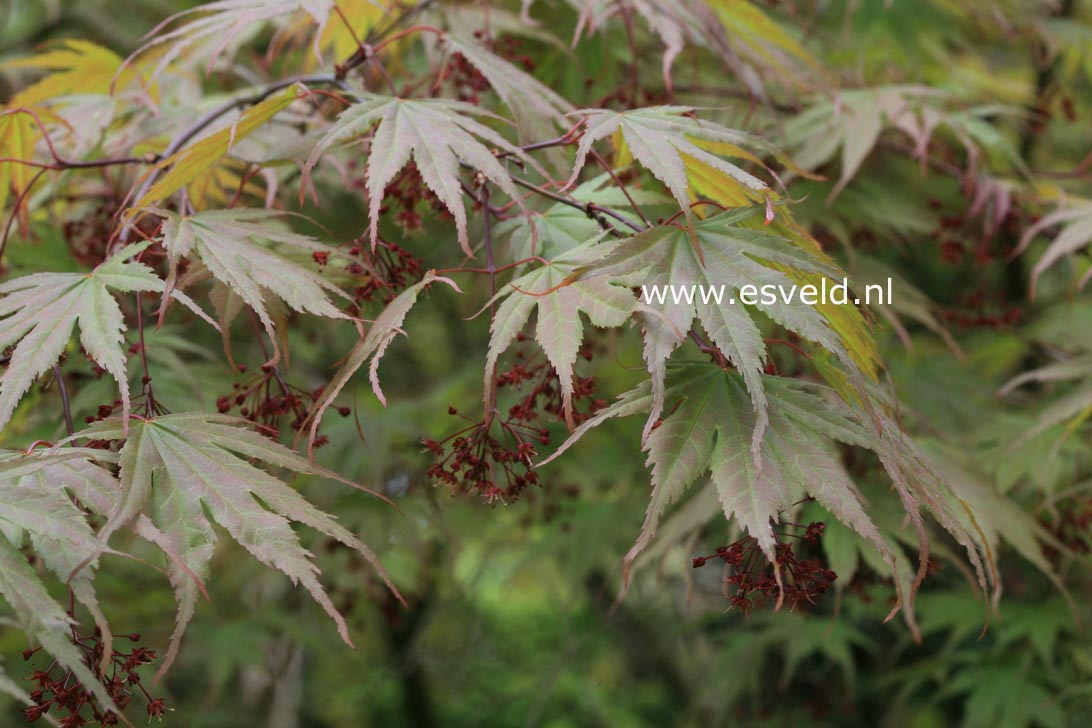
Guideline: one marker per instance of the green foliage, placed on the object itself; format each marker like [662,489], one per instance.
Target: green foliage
[313,168]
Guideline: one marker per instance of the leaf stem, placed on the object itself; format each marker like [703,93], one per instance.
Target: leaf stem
[66,405]
[593,210]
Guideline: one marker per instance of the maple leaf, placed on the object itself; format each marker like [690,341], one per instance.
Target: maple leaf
[996,518]
[560,227]
[36,504]
[372,346]
[223,22]
[437,134]
[676,24]
[747,40]
[188,471]
[711,426]
[1074,235]
[40,311]
[666,140]
[78,67]
[711,429]
[755,36]
[1071,409]
[733,257]
[360,16]
[19,132]
[906,300]
[607,301]
[538,109]
[234,245]
[854,122]
[189,163]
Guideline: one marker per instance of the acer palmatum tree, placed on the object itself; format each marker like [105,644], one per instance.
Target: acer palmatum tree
[213,230]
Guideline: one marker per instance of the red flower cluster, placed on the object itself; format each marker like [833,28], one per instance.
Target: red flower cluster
[62,692]
[980,239]
[496,467]
[402,197]
[544,395]
[499,466]
[388,270]
[266,399]
[756,579]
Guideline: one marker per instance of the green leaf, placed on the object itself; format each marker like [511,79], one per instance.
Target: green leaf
[438,135]
[664,139]
[186,472]
[1075,235]
[36,504]
[733,257]
[189,163]
[538,109]
[236,247]
[41,310]
[712,423]
[559,228]
[674,23]
[372,346]
[547,290]
[855,120]
[711,428]
[995,517]
[224,21]
[1005,695]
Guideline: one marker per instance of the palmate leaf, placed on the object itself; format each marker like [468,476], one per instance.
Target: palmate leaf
[373,346]
[606,300]
[748,41]
[186,472]
[710,430]
[223,22]
[235,247]
[733,257]
[997,519]
[19,133]
[666,140]
[189,163]
[36,505]
[78,67]
[758,38]
[1074,236]
[437,134]
[907,300]
[40,311]
[1072,408]
[854,122]
[341,38]
[675,23]
[538,109]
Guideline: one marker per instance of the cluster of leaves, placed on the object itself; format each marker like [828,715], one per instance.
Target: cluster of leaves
[461,143]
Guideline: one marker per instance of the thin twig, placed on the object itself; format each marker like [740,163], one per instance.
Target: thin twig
[594,211]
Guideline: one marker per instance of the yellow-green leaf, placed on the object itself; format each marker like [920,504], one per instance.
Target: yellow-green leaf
[187,164]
